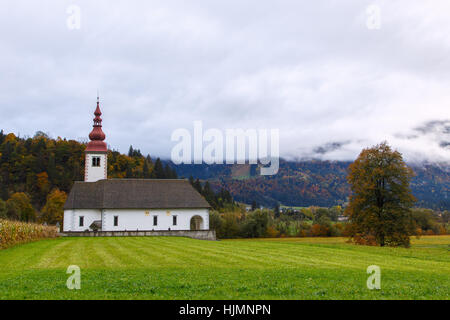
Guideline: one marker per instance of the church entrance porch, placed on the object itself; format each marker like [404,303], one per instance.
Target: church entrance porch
[196,223]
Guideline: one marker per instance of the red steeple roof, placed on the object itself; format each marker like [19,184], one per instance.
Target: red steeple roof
[97,136]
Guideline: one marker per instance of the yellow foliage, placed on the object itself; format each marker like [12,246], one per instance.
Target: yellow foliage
[10,137]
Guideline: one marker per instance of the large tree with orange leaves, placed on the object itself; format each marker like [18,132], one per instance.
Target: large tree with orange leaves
[380,204]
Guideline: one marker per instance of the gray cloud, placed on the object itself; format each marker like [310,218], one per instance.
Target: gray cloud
[439,126]
[311,69]
[330,147]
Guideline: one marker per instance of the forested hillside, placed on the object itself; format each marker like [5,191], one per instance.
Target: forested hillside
[313,183]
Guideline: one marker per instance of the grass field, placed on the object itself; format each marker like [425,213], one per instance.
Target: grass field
[179,268]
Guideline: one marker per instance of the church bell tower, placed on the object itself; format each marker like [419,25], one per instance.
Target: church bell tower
[96,151]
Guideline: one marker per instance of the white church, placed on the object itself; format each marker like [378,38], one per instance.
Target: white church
[107,205]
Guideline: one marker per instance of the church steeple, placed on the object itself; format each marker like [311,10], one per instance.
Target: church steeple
[97,135]
[96,150]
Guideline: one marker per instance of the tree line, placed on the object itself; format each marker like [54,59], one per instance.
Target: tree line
[311,222]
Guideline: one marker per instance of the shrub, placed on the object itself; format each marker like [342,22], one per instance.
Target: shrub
[304,230]
[15,232]
[229,227]
[318,230]
[364,239]
[271,232]
[255,225]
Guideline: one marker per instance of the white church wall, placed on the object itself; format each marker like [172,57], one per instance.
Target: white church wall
[93,174]
[72,219]
[142,219]
[68,220]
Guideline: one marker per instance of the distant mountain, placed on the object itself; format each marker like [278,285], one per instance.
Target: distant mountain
[307,183]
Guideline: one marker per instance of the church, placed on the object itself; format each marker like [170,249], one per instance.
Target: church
[112,206]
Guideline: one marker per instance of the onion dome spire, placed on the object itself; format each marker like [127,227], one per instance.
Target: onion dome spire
[97,135]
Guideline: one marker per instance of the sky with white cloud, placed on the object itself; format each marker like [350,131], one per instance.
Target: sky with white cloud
[312,69]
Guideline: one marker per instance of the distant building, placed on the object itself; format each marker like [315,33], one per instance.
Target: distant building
[101,204]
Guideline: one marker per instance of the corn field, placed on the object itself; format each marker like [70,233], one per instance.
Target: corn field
[15,232]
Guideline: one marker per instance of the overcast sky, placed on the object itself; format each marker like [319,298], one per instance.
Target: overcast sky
[320,71]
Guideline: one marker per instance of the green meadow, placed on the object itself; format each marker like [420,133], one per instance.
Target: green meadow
[180,268]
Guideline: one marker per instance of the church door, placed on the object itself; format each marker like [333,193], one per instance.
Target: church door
[196,223]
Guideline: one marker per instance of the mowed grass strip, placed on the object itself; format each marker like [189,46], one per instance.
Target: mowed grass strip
[181,268]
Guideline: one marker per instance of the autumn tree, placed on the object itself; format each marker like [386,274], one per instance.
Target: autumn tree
[380,204]
[18,207]
[53,210]
[43,185]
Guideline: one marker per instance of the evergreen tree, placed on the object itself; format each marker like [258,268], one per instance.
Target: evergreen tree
[128,171]
[174,174]
[168,172]
[149,159]
[209,195]
[7,152]
[198,186]
[158,170]
[4,181]
[276,210]
[51,167]
[146,170]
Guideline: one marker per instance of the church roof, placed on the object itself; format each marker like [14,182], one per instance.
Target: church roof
[134,194]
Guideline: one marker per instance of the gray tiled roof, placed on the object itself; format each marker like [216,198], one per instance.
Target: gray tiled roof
[134,194]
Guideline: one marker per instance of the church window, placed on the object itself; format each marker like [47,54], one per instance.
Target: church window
[155,220]
[116,221]
[81,221]
[174,220]
[96,161]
